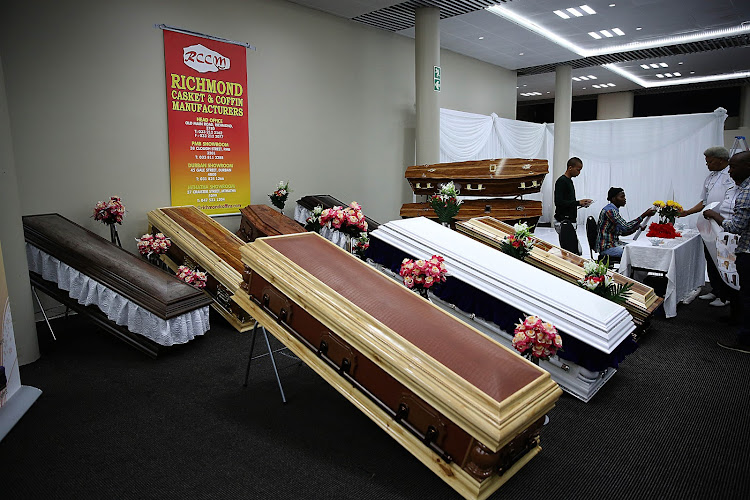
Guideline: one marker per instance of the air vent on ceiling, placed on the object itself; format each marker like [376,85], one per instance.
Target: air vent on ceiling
[401,16]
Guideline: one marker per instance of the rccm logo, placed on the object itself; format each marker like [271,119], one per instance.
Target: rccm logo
[204,60]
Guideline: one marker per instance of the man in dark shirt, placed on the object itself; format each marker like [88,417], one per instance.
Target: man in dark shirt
[565,193]
[566,206]
[611,224]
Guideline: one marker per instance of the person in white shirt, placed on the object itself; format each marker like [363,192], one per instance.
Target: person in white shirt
[718,187]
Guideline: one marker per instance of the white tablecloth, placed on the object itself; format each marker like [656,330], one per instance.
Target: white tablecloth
[681,259]
[119,309]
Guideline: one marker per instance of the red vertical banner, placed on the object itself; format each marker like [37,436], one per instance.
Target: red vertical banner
[209,147]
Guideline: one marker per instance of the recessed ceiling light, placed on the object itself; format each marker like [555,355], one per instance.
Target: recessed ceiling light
[679,62]
[574,12]
[664,65]
[655,66]
[548,91]
[611,5]
[638,28]
[592,77]
[606,33]
[576,79]
[645,66]
[595,35]
[595,86]
[668,75]
[617,31]
[562,14]
[520,53]
[584,78]
[518,87]
[677,74]
[481,38]
[659,75]
[584,88]
[588,10]
[692,72]
[524,84]
[611,85]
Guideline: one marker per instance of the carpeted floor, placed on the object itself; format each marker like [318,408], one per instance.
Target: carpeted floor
[112,423]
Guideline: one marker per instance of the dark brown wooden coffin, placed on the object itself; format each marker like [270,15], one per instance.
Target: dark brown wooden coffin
[327,201]
[200,242]
[504,209]
[262,220]
[466,406]
[498,177]
[149,287]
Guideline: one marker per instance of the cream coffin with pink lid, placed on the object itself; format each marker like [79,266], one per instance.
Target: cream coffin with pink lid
[579,313]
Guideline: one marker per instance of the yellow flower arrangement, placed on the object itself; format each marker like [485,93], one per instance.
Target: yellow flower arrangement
[668,211]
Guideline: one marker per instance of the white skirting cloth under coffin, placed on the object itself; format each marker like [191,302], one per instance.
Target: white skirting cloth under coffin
[588,317]
[119,309]
[301,214]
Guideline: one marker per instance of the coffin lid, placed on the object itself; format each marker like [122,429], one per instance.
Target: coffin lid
[573,310]
[148,286]
[489,391]
[269,221]
[480,170]
[505,209]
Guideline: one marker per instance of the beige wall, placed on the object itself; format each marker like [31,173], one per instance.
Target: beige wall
[614,105]
[331,103]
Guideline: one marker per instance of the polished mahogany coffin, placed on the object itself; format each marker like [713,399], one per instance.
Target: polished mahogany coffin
[641,303]
[327,201]
[497,177]
[200,242]
[464,405]
[262,220]
[150,288]
[509,210]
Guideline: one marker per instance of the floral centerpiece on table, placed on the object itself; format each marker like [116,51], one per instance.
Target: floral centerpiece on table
[421,275]
[312,223]
[598,280]
[192,277]
[153,244]
[445,202]
[109,212]
[668,211]
[360,245]
[350,220]
[518,244]
[536,339]
[280,194]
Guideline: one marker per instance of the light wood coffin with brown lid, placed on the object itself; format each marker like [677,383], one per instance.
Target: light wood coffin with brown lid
[464,405]
[504,209]
[262,220]
[200,242]
[497,177]
[641,303]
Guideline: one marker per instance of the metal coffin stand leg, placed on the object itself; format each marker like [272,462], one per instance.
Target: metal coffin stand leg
[270,353]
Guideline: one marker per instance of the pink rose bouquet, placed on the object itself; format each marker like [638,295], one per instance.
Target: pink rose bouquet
[421,275]
[191,277]
[109,212]
[149,244]
[350,220]
[536,339]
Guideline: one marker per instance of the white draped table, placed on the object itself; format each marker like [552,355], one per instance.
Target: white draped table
[681,259]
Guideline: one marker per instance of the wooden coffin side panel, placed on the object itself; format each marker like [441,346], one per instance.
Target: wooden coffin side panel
[641,303]
[261,220]
[501,209]
[207,242]
[144,284]
[491,422]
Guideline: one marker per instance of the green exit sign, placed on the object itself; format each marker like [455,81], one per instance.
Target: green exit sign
[436,78]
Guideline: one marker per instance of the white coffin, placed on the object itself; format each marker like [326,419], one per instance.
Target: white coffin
[579,313]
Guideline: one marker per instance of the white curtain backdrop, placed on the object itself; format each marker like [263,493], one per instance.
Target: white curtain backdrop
[654,158]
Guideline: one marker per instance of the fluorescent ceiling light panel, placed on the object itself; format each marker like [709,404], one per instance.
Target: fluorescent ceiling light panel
[677,74]
[681,81]
[562,14]
[606,33]
[575,78]
[668,75]
[659,75]
[617,31]
[592,77]
[645,66]
[574,12]
[656,66]
[584,78]
[588,10]
[507,13]
[663,65]
[594,35]
[611,85]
